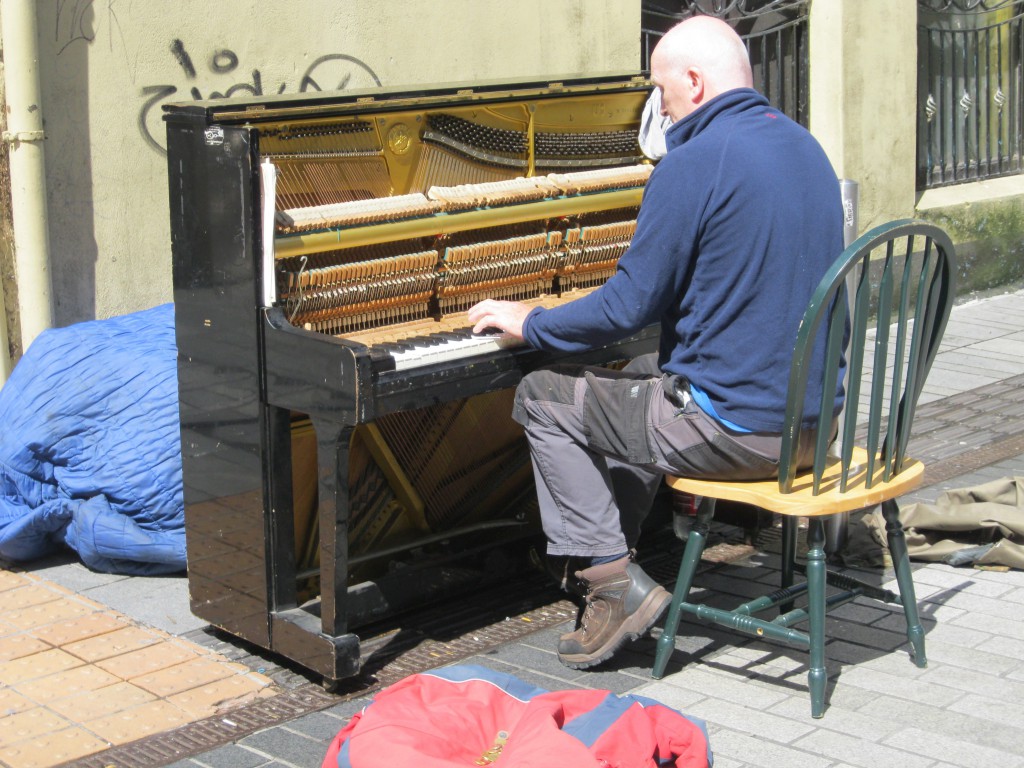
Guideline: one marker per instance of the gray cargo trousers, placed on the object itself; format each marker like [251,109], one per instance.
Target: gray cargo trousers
[601,440]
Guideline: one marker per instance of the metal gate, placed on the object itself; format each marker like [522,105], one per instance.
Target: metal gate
[775,32]
[970,113]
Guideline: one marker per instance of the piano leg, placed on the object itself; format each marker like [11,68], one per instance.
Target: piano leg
[323,645]
[281,513]
[333,515]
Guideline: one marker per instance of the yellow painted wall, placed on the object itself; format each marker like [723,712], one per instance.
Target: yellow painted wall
[863,99]
[108,67]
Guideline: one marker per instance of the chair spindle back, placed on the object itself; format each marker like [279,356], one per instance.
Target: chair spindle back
[899,279]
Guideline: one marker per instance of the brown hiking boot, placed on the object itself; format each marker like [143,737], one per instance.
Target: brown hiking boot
[621,605]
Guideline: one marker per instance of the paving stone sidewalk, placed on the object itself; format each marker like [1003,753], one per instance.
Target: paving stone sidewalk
[965,709]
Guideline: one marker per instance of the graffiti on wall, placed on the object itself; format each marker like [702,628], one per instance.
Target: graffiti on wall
[74,22]
[331,72]
[219,74]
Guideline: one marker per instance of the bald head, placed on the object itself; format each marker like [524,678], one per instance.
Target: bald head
[697,60]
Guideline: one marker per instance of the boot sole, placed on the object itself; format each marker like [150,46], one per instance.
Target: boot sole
[634,627]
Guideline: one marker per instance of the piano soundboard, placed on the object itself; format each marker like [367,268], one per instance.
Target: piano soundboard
[338,416]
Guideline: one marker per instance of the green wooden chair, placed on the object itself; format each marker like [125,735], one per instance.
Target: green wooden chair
[899,278]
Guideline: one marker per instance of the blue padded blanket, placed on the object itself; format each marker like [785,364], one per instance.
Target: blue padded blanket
[89,447]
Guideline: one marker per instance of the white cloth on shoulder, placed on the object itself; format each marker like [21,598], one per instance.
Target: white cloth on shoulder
[653,126]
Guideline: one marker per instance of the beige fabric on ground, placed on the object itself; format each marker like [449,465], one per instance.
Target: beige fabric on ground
[983,525]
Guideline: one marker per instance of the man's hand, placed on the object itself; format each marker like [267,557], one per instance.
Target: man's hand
[507,316]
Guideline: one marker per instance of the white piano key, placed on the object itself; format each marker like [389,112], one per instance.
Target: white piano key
[453,349]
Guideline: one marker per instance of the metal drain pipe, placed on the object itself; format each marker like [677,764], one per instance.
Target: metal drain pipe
[5,355]
[24,137]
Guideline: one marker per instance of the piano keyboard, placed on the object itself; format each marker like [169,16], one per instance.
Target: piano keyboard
[420,343]
[421,351]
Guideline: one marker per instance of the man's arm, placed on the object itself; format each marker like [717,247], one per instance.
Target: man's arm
[649,278]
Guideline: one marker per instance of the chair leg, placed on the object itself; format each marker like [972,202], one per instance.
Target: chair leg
[789,533]
[684,581]
[816,675]
[901,563]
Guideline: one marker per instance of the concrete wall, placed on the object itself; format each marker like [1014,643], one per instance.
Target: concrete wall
[863,93]
[107,68]
[985,220]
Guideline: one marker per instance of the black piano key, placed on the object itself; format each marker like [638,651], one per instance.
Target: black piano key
[432,341]
[423,341]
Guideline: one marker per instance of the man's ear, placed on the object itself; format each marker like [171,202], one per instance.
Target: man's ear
[695,83]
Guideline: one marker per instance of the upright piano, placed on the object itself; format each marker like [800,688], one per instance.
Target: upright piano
[346,441]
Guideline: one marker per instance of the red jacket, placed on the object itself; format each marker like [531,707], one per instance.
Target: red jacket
[468,715]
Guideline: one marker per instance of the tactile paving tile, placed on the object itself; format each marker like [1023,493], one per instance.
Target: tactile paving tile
[74,676]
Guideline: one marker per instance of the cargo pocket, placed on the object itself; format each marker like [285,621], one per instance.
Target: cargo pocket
[695,445]
[745,463]
[615,416]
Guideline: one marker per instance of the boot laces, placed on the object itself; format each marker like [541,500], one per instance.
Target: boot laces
[588,613]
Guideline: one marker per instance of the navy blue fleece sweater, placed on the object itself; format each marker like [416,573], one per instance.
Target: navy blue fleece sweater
[739,221]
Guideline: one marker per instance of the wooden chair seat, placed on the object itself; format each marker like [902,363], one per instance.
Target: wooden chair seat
[801,500]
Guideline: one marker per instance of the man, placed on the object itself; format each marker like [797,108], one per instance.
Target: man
[738,223]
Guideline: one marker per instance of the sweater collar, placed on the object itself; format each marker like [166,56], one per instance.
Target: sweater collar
[728,103]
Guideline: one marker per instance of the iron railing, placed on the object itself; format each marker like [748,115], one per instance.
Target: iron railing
[775,32]
[970,93]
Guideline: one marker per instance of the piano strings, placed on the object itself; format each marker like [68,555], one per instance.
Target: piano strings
[346,291]
[409,475]
[462,461]
[326,164]
[487,145]
[440,165]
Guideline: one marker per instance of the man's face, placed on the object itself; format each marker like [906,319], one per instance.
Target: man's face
[675,101]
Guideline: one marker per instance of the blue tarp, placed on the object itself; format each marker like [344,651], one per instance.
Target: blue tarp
[89,447]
